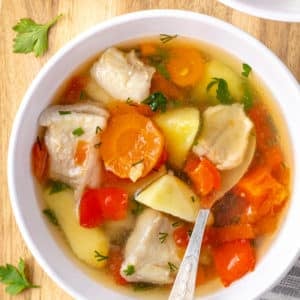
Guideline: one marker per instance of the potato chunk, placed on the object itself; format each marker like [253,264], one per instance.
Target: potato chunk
[179,127]
[171,195]
[83,241]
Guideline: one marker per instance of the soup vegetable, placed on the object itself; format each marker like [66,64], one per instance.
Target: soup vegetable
[143,137]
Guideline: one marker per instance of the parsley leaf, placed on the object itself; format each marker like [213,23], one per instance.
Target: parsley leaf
[246,70]
[15,278]
[129,270]
[78,131]
[32,37]
[99,256]
[157,101]
[64,112]
[57,186]
[49,213]
[164,38]
[162,236]
[172,267]
[223,94]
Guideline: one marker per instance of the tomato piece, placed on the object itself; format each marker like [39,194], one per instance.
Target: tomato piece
[181,236]
[74,90]
[39,158]
[203,173]
[233,260]
[114,262]
[98,205]
[90,211]
[114,203]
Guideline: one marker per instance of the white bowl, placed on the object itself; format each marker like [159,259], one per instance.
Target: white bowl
[280,10]
[53,259]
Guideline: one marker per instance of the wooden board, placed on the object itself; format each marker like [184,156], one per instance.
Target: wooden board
[18,70]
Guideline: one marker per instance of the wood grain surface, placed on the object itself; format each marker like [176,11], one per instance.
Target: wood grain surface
[18,70]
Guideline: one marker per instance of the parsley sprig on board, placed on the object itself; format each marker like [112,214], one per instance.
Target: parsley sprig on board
[15,278]
[32,37]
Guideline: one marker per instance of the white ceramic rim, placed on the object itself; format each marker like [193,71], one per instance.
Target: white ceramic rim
[249,9]
[45,259]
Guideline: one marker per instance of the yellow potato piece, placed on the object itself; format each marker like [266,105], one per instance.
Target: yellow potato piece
[179,127]
[217,69]
[83,241]
[171,195]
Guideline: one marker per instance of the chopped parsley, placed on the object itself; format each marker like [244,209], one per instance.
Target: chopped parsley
[138,208]
[64,112]
[162,236]
[138,162]
[176,224]
[223,94]
[246,70]
[57,186]
[49,213]
[99,256]
[129,270]
[78,131]
[98,129]
[172,267]
[157,102]
[165,38]
[193,198]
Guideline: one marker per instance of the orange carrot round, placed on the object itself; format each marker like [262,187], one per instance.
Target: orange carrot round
[129,140]
[185,66]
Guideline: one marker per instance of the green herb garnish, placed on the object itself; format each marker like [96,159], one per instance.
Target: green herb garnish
[137,163]
[157,102]
[78,131]
[32,37]
[142,286]
[246,70]
[172,267]
[130,102]
[57,186]
[193,198]
[49,213]
[99,256]
[64,112]
[165,38]
[129,270]
[138,209]
[15,278]
[176,224]
[98,129]
[223,94]
[162,236]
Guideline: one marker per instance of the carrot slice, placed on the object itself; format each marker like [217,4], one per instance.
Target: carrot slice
[117,108]
[130,140]
[81,152]
[233,260]
[204,175]
[185,66]
[148,49]
[74,90]
[115,259]
[39,158]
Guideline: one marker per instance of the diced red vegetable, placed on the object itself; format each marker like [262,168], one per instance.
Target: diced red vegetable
[74,90]
[39,158]
[181,236]
[81,152]
[204,175]
[98,205]
[233,260]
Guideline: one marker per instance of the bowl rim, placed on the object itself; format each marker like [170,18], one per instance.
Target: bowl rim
[129,17]
[249,9]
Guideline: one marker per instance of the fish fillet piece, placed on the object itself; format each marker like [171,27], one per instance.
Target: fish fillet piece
[224,136]
[62,122]
[151,250]
[123,75]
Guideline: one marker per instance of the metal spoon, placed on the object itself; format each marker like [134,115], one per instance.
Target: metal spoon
[184,285]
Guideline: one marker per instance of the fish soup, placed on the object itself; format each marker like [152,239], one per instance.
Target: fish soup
[143,136]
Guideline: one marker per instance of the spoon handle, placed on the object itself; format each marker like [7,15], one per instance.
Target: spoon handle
[184,285]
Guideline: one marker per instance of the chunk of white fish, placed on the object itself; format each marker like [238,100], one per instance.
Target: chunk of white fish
[151,250]
[123,75]
[61,141]
[224,136]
